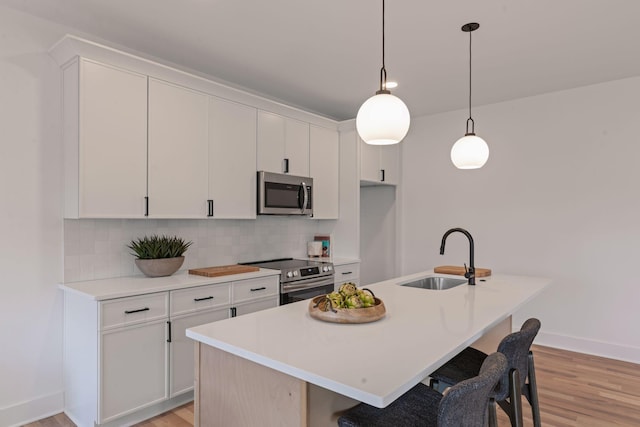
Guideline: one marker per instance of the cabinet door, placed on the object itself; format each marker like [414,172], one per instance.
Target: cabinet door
[251,307]
[281,138]
[133,374]
[105,120]
[296,148]
[178,151]
[181,348]
[324,167]
[270,143]
[390,163]
[232,159]
[369,162]
[379,163]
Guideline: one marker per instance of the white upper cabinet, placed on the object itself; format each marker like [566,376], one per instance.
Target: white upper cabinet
[105,140]
[144,140]
[283,144]
[324,167]
[379,164]
[178,151]
[232,159]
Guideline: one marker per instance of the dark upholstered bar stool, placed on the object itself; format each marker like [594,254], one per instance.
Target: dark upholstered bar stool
[463,405]
[520,378]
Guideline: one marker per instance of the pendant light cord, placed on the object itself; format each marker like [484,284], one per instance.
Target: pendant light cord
[470,119]
[383,70]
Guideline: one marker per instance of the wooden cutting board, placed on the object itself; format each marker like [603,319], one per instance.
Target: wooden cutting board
[459,271]
[223,270]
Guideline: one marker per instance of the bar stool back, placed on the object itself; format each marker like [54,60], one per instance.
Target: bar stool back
[519,379]
[463,405]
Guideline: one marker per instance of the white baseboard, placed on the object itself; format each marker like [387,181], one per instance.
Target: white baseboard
[32,410]
[596,348]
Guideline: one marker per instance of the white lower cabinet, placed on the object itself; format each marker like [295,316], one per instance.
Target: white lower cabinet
[133,371]
[250,307]
[181,348]
[347,273]
[128,359]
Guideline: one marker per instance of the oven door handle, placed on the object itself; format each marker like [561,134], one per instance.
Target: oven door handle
[305,284]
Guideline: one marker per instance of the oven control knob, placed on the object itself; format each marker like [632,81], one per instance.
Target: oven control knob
[329,268]
[325,268]
[295,273]
[289,274]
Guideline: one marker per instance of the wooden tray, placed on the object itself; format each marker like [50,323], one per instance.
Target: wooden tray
[459,270]
[348,315]
[223,270]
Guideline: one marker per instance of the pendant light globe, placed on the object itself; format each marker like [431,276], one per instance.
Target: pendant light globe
[383,119]
[470,152]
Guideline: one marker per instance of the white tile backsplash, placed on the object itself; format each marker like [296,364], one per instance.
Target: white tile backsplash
[97,248]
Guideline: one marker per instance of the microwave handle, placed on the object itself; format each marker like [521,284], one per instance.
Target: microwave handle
[305,199]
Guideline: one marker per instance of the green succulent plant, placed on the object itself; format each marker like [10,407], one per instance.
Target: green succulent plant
[154,247]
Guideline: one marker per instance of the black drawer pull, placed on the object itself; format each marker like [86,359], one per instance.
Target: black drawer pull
[203,299]
[258,289]
[347,272]
[136,311]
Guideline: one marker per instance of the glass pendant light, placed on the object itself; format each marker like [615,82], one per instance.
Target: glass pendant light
[383,119]
[470,151]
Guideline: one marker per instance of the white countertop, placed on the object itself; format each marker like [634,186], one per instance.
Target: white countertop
[373,362]
[119,287]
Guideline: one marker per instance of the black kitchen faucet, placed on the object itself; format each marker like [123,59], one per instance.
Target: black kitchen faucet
[470,273]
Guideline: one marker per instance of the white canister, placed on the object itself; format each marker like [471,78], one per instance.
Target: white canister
[314,248]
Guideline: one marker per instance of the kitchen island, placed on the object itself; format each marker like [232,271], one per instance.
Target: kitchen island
[282,367]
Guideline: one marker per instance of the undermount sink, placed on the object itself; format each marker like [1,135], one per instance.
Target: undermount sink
[436,283]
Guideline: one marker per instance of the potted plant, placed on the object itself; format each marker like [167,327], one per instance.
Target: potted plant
[158,256]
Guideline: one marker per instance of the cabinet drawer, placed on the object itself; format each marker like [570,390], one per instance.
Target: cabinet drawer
[200,298]
[246,290]
[131,310]
[347,273]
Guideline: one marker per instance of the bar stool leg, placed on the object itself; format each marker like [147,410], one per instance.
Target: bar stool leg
[533,393]
[515,396]
[493,417]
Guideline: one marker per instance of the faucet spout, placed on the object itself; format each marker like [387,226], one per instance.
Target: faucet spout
[470,273]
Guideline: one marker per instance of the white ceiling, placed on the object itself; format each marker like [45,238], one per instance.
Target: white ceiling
[325,55]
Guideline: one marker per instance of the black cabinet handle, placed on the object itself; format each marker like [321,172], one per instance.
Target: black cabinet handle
[233,311]
[258,289]
[203,298]
[169,331]
[347,272]
[146,205]
[286,166]
[136,311]
[382,170]
[210,203]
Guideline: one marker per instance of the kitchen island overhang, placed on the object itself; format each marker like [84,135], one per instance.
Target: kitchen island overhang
[373,362]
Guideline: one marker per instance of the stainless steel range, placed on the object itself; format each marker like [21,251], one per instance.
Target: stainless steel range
[300,279]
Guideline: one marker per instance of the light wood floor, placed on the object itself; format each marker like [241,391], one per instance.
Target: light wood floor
[574,390]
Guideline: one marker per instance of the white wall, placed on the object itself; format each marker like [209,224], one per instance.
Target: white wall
[559,197]
[31,221]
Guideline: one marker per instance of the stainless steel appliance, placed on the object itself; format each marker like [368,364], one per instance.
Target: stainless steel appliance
[300,279]
[282,194]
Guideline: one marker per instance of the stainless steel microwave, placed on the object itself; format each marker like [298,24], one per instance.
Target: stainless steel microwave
[282,194]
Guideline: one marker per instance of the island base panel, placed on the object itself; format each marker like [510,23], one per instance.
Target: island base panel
[231,390]
[490,340]
[326,406]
